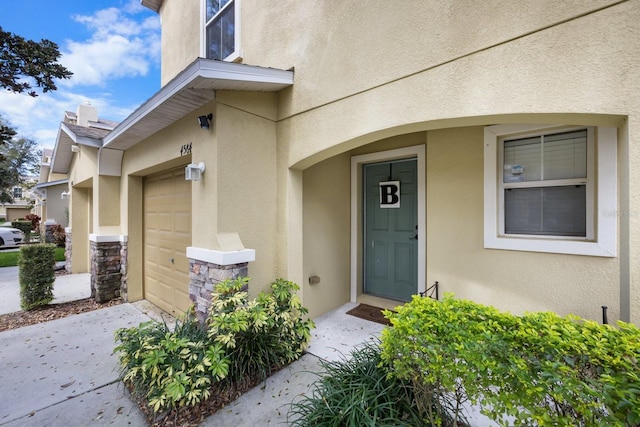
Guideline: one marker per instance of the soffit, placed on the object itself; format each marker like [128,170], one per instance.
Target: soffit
[152,4]
[191,89]
[69,134]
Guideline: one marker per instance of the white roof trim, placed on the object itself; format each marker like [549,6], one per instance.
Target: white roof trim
[191,89]
[51,183]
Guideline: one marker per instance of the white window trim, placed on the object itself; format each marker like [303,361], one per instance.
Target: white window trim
[236,56]
[418,152]
[600,241]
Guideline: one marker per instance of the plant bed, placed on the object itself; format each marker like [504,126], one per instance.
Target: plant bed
[49,312]
[179,376]
[194,415]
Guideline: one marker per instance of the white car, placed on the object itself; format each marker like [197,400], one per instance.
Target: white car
[10,236]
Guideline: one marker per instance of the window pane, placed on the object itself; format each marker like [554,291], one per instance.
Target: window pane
[522,160]
[565,155]
[213,41]
[221,34]
[227,28]
[564,211]
[523,211]
[214,6]
[553,211]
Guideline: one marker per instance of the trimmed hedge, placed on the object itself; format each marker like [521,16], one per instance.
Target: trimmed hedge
[36,265]
[536,369]
[22,225]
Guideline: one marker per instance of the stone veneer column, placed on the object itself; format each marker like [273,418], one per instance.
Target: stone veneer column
[208,267]
[68,249]
[108,276]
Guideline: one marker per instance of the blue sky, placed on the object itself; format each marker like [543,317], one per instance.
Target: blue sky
[111,46]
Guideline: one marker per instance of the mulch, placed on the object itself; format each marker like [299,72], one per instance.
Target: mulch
[49,312]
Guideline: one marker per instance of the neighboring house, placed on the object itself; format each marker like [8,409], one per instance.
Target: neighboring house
[51,205]
[366,150]
[23,202]
[76,149]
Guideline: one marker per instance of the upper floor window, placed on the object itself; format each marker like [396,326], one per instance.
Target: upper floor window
[551,189]
[222,29]
[17,193]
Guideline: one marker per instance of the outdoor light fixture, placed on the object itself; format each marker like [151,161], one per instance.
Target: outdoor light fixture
[204,120]
[75,148]
[192,171]
[65,195]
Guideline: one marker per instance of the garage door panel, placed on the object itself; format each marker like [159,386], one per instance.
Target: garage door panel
[167,233]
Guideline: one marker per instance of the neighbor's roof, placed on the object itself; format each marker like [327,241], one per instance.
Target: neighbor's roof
[70,134]
[190,90]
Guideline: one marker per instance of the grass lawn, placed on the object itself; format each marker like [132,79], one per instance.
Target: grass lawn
[10,259]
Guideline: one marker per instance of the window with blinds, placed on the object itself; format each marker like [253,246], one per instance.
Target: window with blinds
[544,180]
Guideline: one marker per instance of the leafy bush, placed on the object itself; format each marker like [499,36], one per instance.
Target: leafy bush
[36,275]
[35,221]
[170,368]
[22,225]
[242,341]
[59,235]
[261,335]
[536,369]
[357,391]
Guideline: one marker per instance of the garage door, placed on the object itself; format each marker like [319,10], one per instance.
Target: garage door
[167,233]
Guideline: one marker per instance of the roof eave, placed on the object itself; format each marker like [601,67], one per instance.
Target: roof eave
[196,85]
[152,4]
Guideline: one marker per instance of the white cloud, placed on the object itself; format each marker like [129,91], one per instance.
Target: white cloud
[121,46]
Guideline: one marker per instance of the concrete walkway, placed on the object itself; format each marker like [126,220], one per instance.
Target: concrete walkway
[63,372]
[66,288]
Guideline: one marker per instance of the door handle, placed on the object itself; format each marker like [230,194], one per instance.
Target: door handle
[414,237]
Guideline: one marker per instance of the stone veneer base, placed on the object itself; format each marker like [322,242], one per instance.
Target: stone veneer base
[108,267]
[204,274]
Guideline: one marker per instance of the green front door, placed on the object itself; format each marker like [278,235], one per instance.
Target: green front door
[391,229]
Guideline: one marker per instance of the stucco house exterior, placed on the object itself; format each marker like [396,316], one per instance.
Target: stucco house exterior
[366,150]
[50,191]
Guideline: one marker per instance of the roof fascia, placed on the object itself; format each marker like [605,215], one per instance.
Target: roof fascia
[205,68]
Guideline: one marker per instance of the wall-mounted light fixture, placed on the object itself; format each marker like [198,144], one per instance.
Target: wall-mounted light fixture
[205,120]
[65,195]
[193,172]
[75,148]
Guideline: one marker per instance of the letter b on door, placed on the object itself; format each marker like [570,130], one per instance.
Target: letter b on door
[390,194]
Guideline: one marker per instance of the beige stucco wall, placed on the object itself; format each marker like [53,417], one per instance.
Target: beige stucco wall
[180,43]
[246,178]
[237,192]
[580,72]
[371,71]
[326,204]
[510,280]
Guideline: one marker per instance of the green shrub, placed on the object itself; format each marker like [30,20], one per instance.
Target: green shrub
[22,225]
[261,335]
[356,391]
[242,341]
[170,368]
[536,369]
[36,275]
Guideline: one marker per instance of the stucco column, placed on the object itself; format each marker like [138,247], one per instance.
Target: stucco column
[107,197]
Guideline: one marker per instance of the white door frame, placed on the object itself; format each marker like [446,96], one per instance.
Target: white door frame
[417,151]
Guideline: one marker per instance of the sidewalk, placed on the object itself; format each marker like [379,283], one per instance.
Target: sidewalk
[69,287]
[63,372]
